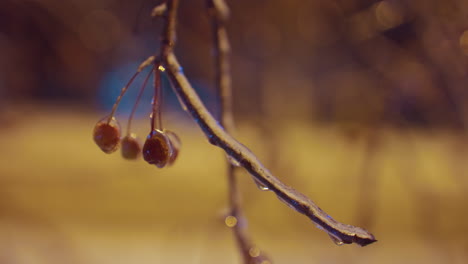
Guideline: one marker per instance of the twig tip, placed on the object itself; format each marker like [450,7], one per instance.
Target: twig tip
[159,10]
[146,63]
[221,9]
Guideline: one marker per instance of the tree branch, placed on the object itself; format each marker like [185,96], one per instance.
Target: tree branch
[219,13]
[342,233]
[339,232]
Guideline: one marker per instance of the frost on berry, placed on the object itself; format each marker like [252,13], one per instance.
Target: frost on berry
[131,147]
[175,145]
[107,135]
[157,149]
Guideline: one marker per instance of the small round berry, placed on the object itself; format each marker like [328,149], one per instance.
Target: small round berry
[175,145]
[107,135]
[131,147]
[157,149]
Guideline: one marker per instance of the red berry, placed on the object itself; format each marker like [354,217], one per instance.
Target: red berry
[175,145]
[107,135]
[131,147]
[157,149]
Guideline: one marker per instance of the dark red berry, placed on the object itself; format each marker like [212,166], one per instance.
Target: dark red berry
[107,135]
[157,149]
[175,145]
[131,147]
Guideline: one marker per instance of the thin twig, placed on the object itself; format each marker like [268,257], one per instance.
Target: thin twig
[223,69]
[340,233]
[141,67]
[168,37]
[219,13]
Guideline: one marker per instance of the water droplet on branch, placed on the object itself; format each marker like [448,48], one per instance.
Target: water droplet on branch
[233,161]
[260,186]
[336,239]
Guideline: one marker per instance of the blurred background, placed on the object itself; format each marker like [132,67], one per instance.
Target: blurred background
[362,105]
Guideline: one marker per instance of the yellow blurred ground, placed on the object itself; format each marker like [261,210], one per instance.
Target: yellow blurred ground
[63,201]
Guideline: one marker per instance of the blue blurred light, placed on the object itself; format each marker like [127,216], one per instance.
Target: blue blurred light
[113,82]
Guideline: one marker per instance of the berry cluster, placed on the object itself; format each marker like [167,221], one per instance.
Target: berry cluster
[161,147]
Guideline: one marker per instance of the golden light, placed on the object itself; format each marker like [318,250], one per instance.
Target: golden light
[254,252]
[230,221]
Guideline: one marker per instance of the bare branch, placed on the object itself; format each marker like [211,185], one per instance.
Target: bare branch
[339,232]
[218,11]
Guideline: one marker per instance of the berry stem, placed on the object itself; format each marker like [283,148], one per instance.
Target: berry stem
[160,98]
[156,119]
[140,93]
[122,92]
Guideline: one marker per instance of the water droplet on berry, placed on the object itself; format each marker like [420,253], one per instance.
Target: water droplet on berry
[157,149]
[131,147]
[107,134]
[175,145]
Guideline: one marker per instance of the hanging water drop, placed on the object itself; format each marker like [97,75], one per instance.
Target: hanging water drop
[260,186]
[336,239]
[233,161]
